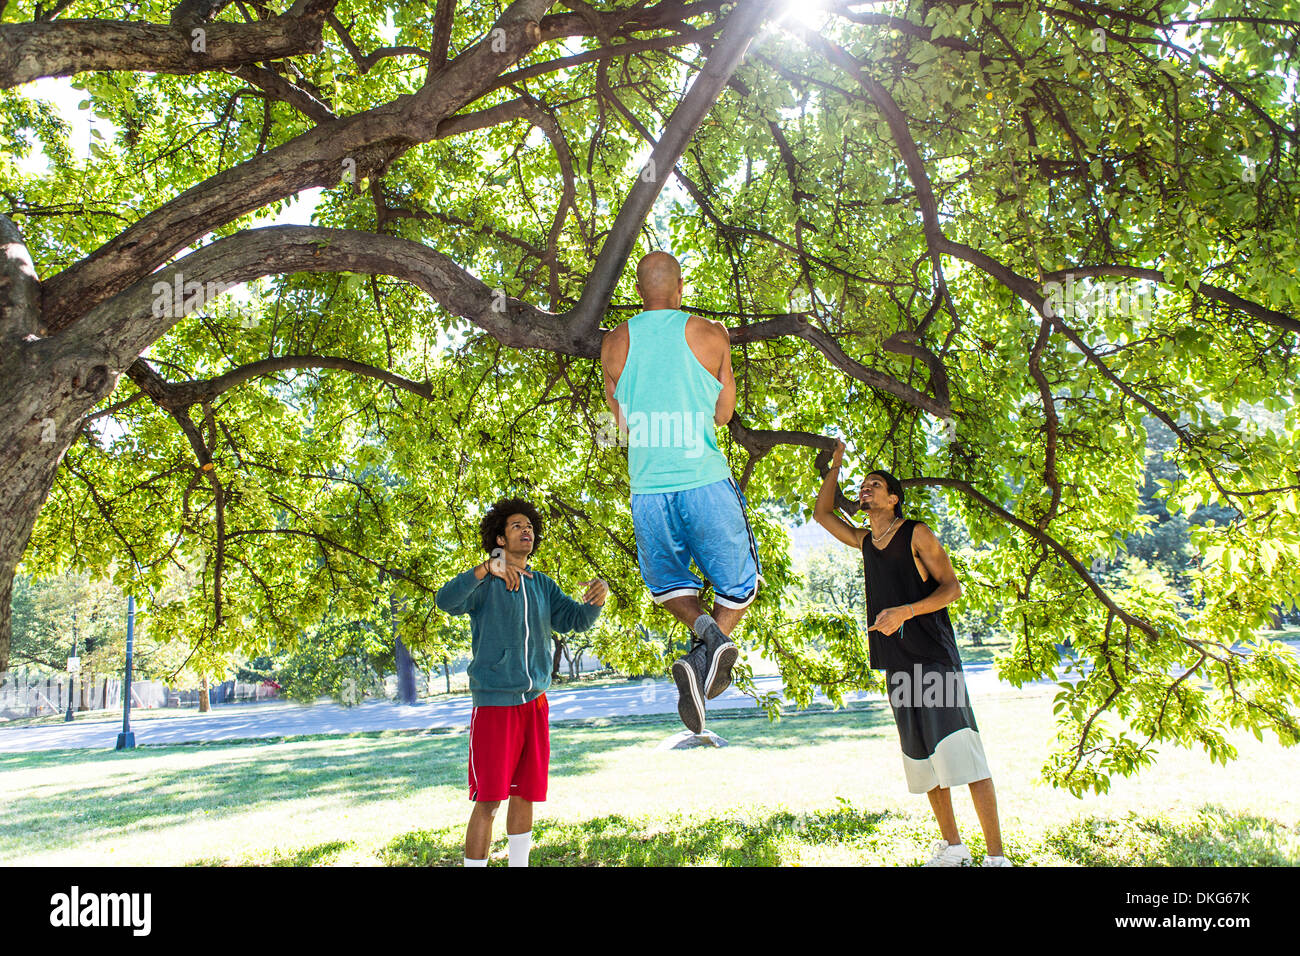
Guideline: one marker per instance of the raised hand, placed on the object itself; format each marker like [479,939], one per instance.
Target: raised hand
[498,567]
[595,593]
[838,455]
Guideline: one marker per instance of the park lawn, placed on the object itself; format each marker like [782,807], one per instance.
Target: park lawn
[816,788]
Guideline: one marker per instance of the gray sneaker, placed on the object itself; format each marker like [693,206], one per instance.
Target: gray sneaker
[722,655]
[688,675]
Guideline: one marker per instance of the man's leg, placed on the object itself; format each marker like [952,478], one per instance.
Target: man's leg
[519,830]
[665,565]
[528,784]
[941,804]
[727,617]
[986,808]
[478,835]
[720,540]
[685,608]
[490,758]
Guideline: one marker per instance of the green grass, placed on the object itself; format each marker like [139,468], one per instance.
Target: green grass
[816,788]
[1211,836]
[974,654]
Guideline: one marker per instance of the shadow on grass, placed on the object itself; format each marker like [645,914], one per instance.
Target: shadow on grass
[146,789]
[322,854]
[82,794]
[817,725]
[1210,837]
[617,841]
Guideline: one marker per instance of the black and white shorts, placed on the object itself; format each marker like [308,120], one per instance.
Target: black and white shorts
[936,726]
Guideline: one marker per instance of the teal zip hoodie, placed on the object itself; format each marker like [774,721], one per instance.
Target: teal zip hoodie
[511,632]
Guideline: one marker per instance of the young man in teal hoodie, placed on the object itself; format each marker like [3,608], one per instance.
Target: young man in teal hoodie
[512,611]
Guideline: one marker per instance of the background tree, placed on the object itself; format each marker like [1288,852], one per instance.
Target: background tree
[44,611]
[986,241]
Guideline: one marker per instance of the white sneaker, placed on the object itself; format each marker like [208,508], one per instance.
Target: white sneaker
[996,861]
[946,854]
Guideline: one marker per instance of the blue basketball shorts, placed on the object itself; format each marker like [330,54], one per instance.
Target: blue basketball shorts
[706,524]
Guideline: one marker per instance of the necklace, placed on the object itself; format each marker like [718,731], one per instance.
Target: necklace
[876,540]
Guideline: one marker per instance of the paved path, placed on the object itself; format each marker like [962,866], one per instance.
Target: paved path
[238,722]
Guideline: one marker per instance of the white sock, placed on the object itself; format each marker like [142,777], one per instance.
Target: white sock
[469,862]
[701,622]
[520,844]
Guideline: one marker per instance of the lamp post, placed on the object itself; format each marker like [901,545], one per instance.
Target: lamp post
[72,666]
[126,739]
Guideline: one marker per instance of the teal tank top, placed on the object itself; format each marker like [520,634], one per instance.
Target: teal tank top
[668,399]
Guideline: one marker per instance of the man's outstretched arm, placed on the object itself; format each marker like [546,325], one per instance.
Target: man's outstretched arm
[824,510]
[726,406]
[570,615]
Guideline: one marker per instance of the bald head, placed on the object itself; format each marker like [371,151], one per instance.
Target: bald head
[659,281]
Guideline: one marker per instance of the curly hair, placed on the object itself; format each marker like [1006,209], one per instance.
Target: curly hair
[494,522]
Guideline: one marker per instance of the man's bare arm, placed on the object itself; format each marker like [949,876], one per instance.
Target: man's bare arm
[726,406]
[613,356]
[824,510]
[927,547]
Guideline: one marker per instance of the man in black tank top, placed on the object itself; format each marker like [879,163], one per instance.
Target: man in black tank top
[909,583]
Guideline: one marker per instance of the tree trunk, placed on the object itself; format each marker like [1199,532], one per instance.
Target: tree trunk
[405,674]
[47,385]
[446,672]
[555,659]
[204,704]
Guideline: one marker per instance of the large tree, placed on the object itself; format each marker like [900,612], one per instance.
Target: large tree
[983,240]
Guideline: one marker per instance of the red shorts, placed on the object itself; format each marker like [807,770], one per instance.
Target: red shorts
[510,751]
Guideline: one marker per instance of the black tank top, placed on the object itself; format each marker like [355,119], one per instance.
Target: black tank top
[892,580]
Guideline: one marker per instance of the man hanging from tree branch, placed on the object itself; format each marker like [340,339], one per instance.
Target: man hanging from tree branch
[668,382]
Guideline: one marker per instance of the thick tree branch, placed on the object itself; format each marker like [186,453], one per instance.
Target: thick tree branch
[443,20]
[1261,312]
[737,33]
[177,396]
[29,51]
[20,287]
[357,145]
[825,343]
[129,322]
